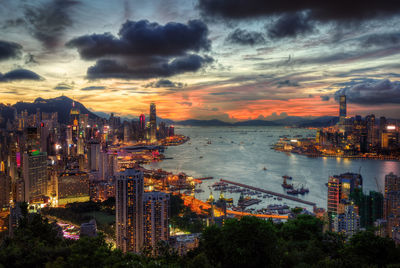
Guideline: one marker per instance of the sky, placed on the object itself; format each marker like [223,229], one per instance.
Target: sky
[204,59]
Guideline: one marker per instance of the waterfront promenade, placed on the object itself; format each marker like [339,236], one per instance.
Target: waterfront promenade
[271,193]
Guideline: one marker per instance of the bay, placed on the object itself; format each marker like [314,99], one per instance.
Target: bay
[240,154]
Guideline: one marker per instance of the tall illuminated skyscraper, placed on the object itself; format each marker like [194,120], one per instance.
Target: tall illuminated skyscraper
[129,210]
[142,125]
[153,122]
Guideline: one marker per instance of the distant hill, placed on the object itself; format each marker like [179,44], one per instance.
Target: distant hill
[61,104]
[322,121]
[210,123]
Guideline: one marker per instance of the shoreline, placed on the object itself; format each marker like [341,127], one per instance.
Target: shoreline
[383,158]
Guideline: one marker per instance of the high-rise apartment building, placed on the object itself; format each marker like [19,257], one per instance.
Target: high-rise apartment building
[94,155]
[347,222]
[35,175]
[155,218]
[129,210]
[339,189]
[391,210]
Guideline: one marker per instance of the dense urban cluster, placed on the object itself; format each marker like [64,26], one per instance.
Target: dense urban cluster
[50,164]
[352,137]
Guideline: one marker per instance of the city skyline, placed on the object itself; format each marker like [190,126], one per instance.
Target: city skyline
[262,63]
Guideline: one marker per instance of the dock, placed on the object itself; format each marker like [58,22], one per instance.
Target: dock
[270,192]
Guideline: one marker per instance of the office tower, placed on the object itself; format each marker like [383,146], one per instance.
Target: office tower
[73,186]
[153,122]
[142,125]
[347,222]
[126,132]
[391,210]
[94,155]
[129,210]
[35,175]
[370,207]
[371,129]
[342,107]
[155,218]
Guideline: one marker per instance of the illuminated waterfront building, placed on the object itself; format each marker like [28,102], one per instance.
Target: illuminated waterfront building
[129,210]
[35,175]
[73,186]
[155,218]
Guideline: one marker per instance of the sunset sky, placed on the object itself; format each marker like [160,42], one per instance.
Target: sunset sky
[203,59]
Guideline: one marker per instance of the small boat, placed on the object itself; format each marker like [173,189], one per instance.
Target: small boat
[200,156]
[264,168]
[293,192]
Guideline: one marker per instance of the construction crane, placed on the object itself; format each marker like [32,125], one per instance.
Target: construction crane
[377,185]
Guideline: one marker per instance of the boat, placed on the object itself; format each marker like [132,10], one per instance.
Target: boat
[264,168]
[200,156]
[293,192]
[208,142]
[303,190]
[285,185]
[280,198]
[287,177]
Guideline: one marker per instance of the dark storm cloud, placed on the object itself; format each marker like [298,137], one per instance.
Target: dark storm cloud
[48,21]
[143,38]
[19,74]
[287,83]
[106,68]
[340,10]
[63,86]
[290,25]
[244,37]
[165,83]
[325,98]
[145,50]
[9,50]
[371,91]
[385,39]
[93,88]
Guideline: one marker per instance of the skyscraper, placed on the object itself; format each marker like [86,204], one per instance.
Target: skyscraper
[153,122]
[343,109]
[129,210]
[155,218]
[94,155]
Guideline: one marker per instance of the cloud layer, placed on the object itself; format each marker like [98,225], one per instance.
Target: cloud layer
[9,50]
[145,50]
[19,74]
[371,91]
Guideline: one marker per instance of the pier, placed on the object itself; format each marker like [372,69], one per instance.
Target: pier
[270,192]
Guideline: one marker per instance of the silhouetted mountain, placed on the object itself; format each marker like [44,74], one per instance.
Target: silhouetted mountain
[288,121]
[195,122]
[256,123]
[61,104]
